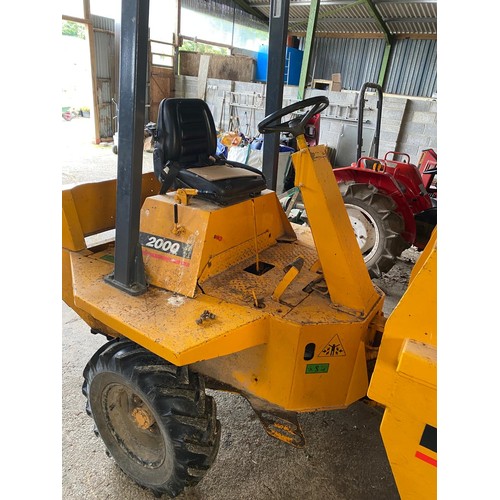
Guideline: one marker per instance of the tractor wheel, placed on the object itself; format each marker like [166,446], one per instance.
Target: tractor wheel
[154,418]
[378,227]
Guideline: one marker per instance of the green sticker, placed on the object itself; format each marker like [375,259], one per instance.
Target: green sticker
[108,257]
[317,368]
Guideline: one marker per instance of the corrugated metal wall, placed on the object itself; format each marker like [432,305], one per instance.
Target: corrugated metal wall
[104,29]
[358,59]
[412,67]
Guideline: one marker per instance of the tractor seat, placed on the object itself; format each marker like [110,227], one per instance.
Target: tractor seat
[184,155]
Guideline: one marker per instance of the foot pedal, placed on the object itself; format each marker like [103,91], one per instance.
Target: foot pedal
[279,424]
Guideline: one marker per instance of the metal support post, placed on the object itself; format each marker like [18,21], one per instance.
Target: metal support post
[278,29]
[129,268]
[311,28]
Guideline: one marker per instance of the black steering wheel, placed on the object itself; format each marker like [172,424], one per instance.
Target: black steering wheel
[295,126]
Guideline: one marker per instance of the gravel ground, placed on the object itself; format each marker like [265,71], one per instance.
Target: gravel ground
[344,458]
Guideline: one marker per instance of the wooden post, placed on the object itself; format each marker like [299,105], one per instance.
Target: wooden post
[203,75]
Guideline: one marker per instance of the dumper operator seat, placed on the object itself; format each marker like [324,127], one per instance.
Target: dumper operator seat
[184,155]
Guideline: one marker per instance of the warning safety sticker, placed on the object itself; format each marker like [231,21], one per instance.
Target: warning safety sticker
[333,348]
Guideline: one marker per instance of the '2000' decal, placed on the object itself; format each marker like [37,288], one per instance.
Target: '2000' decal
[166,245]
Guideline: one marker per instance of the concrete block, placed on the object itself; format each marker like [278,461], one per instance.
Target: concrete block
[219,85]
[414,129]
[423,117]
[390,137]
[412,139]
[430,129]
[395,114]
[239,87]
[395,103]
[431,143]
[385,148]
[413,153]
[391,125]
[423,105]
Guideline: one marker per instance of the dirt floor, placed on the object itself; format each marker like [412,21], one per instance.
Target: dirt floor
[344,457]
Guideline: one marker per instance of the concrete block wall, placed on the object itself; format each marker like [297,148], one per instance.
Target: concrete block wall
[218,97]
[187,86]
[343,112]
[251,95]
[393,112]
[419,127]
[409,125]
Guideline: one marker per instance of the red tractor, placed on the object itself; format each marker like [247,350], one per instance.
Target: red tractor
[389,208]
[389,205]
[427,166]
[392,204]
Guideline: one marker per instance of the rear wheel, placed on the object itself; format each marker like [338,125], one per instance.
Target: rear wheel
[378,227]
[154,418]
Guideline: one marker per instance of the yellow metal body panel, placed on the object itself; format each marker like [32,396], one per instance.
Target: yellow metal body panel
[342,264]
[405,382]
[303,350]
[269,343]
[213,238]
[89,209]
[278,373]
[162,321]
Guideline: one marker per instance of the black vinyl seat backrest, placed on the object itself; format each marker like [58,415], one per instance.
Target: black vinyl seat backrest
[186,131]
[185,155]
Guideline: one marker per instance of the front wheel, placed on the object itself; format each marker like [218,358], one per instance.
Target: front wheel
[154,418]
[376,224]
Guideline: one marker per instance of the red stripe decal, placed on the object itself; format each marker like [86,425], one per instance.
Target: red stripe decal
[164,257]
[426,458]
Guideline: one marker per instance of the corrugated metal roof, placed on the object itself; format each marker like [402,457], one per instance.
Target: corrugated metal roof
[349,38]
[352,17]
[401,17]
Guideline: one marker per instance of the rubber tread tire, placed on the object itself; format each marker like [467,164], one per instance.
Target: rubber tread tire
[180,406]
[390,224]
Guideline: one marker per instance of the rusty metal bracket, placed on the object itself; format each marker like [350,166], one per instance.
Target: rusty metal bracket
[278,423]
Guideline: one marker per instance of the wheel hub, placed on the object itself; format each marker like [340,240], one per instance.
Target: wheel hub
[142,418]
[133,425]
[365,229]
